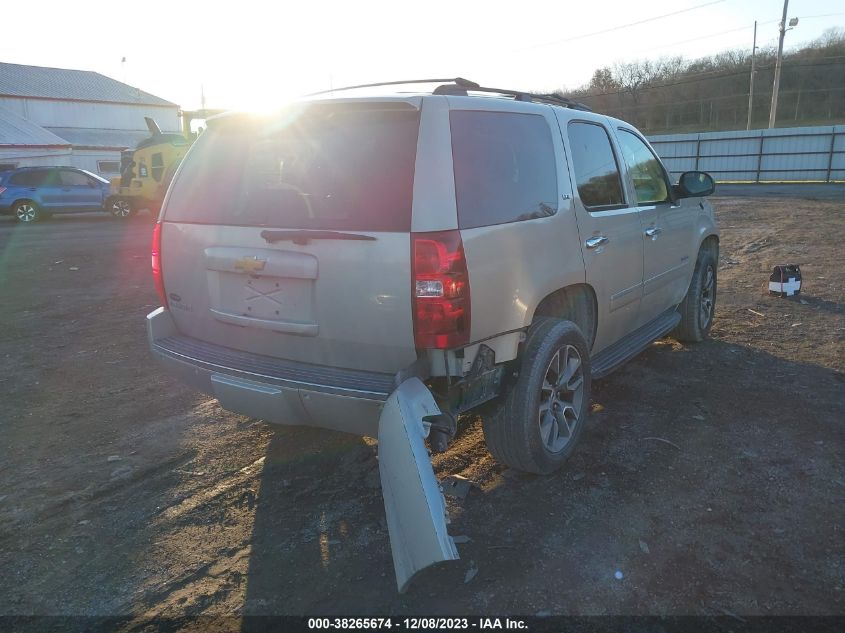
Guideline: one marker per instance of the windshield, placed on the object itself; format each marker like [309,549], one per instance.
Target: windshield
[95,176]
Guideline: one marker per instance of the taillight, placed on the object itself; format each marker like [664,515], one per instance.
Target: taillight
[158,278]
[441,290]
[2,189]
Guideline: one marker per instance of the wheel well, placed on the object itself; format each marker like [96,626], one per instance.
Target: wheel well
[710,243]
[575,303]
[17,202]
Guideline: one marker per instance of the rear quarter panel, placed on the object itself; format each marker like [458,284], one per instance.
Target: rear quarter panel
[513,266]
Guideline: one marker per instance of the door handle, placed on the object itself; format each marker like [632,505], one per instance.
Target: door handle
[595,242]
[653,232]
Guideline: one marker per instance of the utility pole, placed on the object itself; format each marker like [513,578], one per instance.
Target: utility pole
[751,87]
[774,110]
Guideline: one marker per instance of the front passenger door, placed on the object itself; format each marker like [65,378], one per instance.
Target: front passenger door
[77,192]
[668,227]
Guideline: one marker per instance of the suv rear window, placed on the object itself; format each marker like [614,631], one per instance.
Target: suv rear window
[504,167]
[330,167]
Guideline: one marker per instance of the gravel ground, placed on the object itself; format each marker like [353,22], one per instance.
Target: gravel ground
[709,475]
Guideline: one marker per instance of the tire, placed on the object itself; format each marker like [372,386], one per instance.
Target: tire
[517,434]
[120,208]
[26,211]
[699,304]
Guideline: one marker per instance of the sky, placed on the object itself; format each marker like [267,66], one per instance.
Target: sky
[254,55]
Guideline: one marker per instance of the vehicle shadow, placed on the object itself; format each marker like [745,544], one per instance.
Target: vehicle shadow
[821,304]
[705,477]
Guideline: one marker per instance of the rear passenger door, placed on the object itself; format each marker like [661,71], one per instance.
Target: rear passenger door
[50,190]
[668,227]
[609,227]
[30,184]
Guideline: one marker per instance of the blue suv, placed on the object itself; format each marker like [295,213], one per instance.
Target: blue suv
[32,193]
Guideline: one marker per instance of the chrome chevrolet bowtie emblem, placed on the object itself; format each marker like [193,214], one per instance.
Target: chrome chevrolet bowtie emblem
[249,264]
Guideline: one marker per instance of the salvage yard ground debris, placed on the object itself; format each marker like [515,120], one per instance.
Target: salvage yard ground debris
[206,512]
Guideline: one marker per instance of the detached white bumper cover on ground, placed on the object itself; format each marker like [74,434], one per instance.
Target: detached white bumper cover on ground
[415,507]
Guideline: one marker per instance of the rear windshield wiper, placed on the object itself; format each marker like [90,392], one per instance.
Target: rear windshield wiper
[306,235]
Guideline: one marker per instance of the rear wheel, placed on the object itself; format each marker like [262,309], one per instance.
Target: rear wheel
[120,208]
[699,305]
[540,420]
[27,211]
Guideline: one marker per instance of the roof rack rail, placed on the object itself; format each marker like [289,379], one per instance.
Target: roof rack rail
[457,81]
[460,87]
[518,95]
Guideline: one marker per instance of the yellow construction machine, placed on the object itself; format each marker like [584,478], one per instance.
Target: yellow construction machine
[146,171]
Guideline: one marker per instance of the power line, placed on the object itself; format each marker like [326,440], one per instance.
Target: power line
[742,28]
[619,27]
[703,37]
[823,15]
[714,74]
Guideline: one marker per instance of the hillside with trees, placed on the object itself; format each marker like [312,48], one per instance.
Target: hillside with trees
[711,93]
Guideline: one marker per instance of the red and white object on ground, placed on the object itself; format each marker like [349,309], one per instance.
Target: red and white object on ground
[785,280]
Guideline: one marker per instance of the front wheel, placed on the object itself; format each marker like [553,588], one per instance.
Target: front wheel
[27,212]
[540,419]
[120,208]
[699,304]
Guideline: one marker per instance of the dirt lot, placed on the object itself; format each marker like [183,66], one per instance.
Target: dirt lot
[711,476]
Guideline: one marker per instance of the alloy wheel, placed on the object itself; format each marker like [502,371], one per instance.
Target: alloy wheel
[26,212]
[121,209]
[560,399]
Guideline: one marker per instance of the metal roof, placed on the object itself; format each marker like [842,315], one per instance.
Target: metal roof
[17,131]
[84,137]
[17,80]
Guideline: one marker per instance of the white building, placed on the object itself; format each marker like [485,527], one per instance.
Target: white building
[53,116]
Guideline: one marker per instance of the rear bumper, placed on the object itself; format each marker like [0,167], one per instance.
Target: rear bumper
[274,390]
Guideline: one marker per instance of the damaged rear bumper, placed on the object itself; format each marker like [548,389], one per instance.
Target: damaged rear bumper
[356,402]
[414,504]
[280,392]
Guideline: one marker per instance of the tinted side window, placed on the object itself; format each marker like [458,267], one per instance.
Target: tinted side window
[596,171]
[73,179]
[33,178]
[504,167]
[646,171]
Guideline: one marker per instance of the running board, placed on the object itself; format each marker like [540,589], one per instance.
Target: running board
[625,349]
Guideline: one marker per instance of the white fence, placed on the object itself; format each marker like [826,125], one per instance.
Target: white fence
[815,154]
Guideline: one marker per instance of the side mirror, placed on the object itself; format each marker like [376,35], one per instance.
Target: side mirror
[695,184]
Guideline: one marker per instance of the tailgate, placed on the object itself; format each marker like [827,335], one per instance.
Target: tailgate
[289,236]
